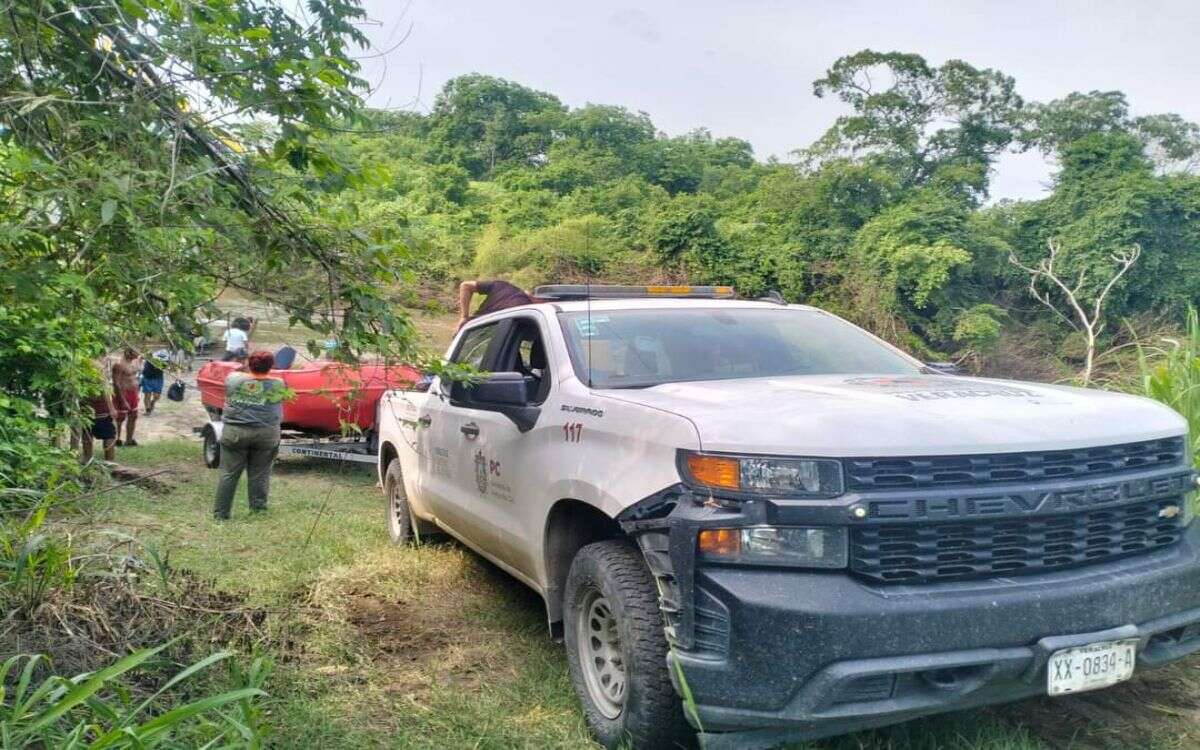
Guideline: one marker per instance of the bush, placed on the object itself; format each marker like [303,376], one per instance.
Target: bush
[1171,374]
[979,328]
[573,249]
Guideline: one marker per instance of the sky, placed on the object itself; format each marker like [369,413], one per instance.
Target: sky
[744,68]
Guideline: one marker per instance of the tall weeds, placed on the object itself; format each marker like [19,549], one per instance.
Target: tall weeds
[1171,374]
[93,710]
[33,563]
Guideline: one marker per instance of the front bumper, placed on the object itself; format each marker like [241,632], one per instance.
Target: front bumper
[825,654]
[805,654]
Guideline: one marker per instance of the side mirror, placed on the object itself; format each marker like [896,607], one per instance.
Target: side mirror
[504,392]
[943,368]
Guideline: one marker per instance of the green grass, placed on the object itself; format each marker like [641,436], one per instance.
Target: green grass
[414,647]
[430,647]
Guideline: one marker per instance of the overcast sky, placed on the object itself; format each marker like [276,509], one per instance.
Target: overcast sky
[745,68]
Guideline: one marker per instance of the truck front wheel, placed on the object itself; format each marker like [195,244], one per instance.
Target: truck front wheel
[617,652]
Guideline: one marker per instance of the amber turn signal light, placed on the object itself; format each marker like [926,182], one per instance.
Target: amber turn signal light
[726,542]
[714,471]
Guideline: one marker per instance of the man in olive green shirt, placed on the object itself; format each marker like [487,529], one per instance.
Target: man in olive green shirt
[250,435]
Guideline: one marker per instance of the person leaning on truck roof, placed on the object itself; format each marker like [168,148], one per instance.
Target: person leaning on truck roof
[250,436]
[501,295]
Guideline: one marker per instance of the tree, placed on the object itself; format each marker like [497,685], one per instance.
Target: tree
[1106,198]
[902,259]
[915,118]
[1053,127]
[485,123]
[1086,308]
[129,201]
[682,232]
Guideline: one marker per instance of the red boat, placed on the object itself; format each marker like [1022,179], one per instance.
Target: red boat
[328,394]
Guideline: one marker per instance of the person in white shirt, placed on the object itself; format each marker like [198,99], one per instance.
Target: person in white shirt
[237,339]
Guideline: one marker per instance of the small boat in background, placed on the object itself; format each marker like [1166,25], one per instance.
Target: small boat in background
[328,395]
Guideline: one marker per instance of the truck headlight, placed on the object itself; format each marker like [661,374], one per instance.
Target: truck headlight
[795,546]
[813,477]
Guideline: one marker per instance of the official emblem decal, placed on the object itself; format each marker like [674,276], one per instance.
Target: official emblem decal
[1169,511]
[481,472]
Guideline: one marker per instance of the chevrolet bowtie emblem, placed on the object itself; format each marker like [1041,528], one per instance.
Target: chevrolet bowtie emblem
[1169,512]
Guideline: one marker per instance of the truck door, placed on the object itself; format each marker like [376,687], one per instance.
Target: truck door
[502,485]
[447,450]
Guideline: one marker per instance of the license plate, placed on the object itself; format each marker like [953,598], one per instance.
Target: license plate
[1090,667]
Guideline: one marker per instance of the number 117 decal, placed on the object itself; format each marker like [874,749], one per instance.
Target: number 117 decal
[572,432]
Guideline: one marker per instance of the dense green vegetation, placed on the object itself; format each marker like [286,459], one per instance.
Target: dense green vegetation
[126,207]
[884,219]
[126,204]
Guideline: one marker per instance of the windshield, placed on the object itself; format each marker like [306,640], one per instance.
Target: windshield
[642,348]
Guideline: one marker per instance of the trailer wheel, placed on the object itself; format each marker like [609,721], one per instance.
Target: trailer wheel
[212,448]
[617,652]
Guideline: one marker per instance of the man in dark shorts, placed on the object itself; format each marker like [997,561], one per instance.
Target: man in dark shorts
[101,426]
[501,295]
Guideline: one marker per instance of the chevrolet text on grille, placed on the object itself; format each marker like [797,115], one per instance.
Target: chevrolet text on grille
[1019,503]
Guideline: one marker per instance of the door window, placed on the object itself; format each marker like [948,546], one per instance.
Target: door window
[474,346]
[524,352]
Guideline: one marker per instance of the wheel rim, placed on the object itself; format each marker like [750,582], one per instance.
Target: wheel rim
[600,655]
[396,514]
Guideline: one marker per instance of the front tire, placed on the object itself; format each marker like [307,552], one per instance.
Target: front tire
[617,652]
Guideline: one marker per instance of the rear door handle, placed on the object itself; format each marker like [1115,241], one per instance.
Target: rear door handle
[470,429]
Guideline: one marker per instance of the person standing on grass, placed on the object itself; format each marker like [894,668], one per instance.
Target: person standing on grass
[100,425]
[501,295]
[125,378]
[250,436]
[152,378]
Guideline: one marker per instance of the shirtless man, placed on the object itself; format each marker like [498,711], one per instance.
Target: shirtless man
[125,382]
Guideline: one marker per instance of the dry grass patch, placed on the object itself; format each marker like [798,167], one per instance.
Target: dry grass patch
[421,616]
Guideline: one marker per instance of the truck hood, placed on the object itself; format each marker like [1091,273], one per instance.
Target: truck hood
[911,415]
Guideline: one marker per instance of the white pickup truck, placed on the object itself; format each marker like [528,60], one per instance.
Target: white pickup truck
[798,526]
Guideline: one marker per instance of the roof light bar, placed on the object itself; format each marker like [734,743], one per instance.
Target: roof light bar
[564,292]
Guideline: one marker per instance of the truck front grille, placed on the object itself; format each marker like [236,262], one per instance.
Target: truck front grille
[972,471]
[916,553]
